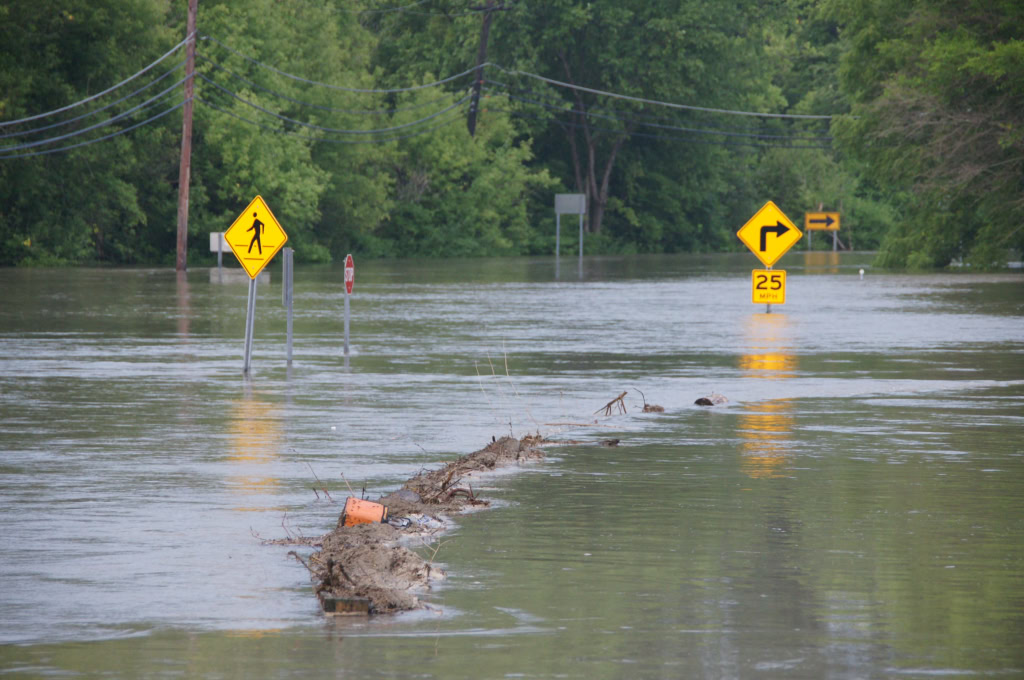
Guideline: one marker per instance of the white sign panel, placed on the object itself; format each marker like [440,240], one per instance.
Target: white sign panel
[570,204]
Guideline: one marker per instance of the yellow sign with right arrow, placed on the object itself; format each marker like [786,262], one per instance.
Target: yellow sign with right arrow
[769,234]
[821,221]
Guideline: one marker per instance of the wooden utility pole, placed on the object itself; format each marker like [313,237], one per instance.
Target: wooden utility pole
[481,58]
[185,166]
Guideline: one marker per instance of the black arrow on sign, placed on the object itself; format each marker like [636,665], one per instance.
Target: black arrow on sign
[779,229]
[828,221]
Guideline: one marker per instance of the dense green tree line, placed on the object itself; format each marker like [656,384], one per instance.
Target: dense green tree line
[922,153]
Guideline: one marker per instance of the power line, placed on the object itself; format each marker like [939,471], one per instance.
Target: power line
[691,140]
[95,111]
[98,139]
[110,121]
[328,139]
[353,112]
[655,102]
[556,103]
[338,87]
[99,94]
[384,10]
[406,9]
[334,130]
[702,131]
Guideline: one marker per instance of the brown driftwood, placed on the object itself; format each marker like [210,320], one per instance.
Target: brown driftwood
[617,402]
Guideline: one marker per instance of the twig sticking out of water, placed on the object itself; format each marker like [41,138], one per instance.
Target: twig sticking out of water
[650,408]
[617,402]
[322,487]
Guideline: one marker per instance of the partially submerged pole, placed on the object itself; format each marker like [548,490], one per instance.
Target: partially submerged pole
[249,317]
[185,165]
[581,246]
[287,274]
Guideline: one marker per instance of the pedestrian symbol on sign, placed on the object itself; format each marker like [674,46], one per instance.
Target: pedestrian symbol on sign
[257,229]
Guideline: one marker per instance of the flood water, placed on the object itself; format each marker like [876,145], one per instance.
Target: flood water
[856,510]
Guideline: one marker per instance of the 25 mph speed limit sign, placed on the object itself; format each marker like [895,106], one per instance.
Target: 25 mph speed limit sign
[768,286]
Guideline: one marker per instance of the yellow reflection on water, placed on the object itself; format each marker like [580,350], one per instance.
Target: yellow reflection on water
[826,261]
[765,438]
[765,428]
[255,443]
[769,352]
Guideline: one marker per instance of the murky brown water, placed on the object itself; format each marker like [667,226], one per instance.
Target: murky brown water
[855,511]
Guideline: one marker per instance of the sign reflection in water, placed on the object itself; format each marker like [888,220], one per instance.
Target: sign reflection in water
[255,442]
[765,429]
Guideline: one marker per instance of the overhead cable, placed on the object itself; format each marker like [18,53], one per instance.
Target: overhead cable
[691,140]
[148,85]
[109,121]
[655,102]
[556,103]
[99,94]
[353,112]
[98,139]
[385,10]
[334,130]
[329,139]
[701,131]
[338,87]
[406,9]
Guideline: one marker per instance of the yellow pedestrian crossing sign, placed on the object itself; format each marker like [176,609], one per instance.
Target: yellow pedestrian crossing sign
[255,237]
[769,234]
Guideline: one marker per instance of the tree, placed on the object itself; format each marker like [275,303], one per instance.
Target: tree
[940,111]
[457,195]
[664,51]
[93,202]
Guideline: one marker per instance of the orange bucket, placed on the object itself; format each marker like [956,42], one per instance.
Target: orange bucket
[362,512]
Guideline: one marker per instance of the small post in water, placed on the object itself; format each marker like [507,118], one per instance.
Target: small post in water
[287,275]
[250,315]
[350,278]
[346,322]
[558,233]
[581,246]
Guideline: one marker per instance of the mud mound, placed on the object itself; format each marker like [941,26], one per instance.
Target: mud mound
[365,562]
[368,568]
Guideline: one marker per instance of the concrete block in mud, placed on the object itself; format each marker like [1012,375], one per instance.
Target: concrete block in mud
[345,606]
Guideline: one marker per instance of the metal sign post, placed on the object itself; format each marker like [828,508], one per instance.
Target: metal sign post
[249,316]
[350,279]
[580,268]
[217,245]
[286,294]
[267,237]
[569,204]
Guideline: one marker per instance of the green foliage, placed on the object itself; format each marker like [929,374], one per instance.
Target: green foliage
[91,203]
[458,195]
[930,146]
[940,109]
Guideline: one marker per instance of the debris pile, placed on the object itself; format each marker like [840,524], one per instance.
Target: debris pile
[368,568]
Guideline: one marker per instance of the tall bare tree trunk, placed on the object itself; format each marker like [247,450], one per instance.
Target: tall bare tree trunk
[587,182]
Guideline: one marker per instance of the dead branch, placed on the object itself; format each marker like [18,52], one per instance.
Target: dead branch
[322,487]
[617,402]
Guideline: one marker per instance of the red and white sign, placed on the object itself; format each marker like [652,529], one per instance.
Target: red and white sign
[350,274]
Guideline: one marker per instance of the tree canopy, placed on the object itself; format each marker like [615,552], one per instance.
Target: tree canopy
[677,119]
